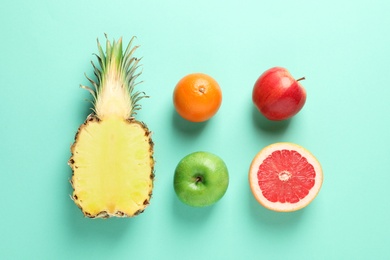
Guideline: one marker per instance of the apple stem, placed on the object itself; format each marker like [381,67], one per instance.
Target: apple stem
[303,78]
[198,179]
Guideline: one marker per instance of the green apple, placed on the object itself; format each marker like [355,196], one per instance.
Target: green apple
[201,179]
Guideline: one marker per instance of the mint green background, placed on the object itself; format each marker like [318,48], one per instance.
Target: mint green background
[343,49]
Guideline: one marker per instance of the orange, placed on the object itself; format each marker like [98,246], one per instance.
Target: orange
[197,97]
[285,177]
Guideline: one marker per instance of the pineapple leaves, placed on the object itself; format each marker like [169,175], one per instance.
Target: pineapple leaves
[137,96]
[117,65]
[101,56]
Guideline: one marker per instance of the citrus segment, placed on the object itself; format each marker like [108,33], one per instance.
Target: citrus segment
[285,177]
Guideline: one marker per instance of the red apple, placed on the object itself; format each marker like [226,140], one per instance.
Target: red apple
[277,95]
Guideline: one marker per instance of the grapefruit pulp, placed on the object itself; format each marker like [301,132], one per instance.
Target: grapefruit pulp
[285,177]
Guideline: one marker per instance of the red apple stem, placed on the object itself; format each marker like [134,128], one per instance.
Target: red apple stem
[303,78]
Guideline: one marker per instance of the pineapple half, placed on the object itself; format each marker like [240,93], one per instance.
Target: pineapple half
[112,156]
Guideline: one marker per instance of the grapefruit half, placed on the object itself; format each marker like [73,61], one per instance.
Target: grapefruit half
[285,177]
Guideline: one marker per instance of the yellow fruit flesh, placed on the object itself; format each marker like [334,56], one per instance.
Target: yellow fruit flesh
[113,167]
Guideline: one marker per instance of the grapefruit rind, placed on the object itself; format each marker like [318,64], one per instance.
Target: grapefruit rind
[278,206]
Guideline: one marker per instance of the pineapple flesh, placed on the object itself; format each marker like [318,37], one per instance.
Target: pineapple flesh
[112,156]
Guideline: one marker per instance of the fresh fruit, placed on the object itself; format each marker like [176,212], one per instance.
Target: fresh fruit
[277,95]
[197,97]
[285,177]
[201,179]
[112,156]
